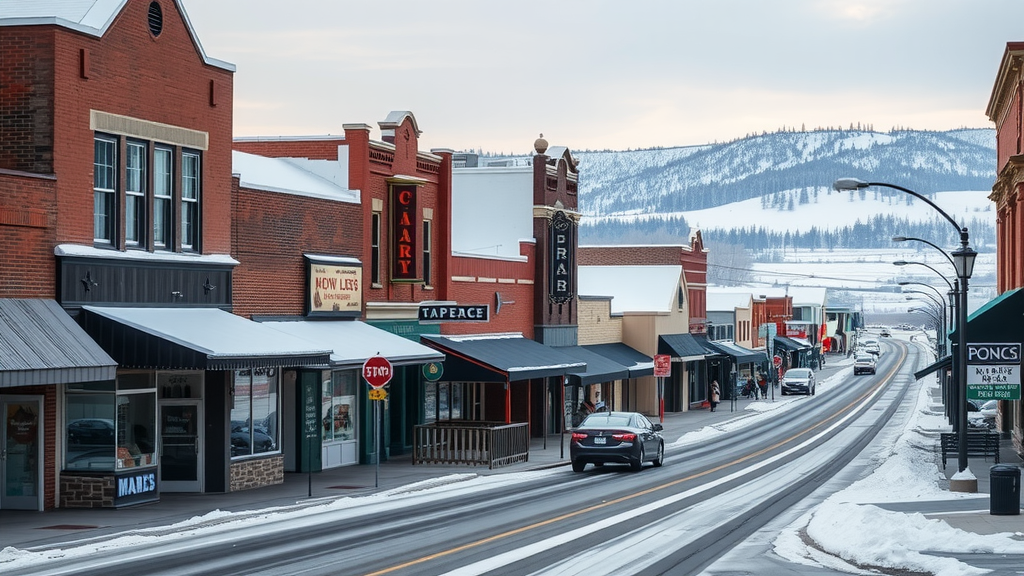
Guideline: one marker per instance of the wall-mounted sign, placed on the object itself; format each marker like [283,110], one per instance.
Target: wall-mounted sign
[993,371]
[135,488]
[403,234]
[455,313]
[562,258]
[334,289]
[432,371]
[662,365]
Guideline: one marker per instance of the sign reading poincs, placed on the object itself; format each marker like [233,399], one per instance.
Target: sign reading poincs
[993,371]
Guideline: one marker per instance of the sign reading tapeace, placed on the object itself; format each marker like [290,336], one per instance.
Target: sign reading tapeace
[377,371]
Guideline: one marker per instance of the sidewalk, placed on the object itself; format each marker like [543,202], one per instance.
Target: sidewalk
[31,529]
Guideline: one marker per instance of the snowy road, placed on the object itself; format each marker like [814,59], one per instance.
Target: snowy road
[735,490]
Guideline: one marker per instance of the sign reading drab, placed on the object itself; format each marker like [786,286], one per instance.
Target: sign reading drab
[334,290]
[562,258]
[993,371]
[403,234]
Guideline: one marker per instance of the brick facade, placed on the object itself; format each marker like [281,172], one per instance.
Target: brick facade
[1006,110]
[27,234]
[55,82]
[271,233]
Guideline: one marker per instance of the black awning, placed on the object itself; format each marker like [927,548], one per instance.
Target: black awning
[638,363]
[195,339]
[738,353]
[999,320]
[40,344]
[599,368]
[791,344]
[500,358]
[682,346]
[940,364]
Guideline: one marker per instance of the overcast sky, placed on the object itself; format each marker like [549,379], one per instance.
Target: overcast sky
[607,74]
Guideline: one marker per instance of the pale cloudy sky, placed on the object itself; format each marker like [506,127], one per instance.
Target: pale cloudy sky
[607,74]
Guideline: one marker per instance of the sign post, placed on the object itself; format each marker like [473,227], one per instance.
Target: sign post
[377,372]
[662,368]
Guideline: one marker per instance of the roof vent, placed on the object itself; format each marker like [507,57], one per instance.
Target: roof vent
[156,18]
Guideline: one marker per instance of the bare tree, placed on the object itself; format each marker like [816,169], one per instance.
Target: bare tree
[728,264]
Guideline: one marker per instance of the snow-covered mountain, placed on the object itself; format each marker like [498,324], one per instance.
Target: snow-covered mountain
[781,182]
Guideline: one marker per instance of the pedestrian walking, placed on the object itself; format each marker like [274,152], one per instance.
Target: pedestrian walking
[716,394]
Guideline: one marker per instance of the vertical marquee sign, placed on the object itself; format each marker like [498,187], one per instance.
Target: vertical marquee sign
[993,371]
[562,257]
[403,234]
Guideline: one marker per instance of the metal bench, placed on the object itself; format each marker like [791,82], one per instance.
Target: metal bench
[983,444]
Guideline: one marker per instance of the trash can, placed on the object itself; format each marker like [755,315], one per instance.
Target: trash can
[1004,489]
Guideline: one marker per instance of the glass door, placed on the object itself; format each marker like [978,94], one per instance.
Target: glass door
[20,453]
[181,462]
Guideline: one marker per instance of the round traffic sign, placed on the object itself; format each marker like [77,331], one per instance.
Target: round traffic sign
[777,361]
[377,371]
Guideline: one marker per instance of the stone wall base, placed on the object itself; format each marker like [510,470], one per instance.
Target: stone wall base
[257,472]
[87,492]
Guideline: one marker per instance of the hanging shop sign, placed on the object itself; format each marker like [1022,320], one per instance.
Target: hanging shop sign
[403,234]
[993,371]
[561,260]
[334,287]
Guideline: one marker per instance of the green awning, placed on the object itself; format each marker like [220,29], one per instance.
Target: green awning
[999,320]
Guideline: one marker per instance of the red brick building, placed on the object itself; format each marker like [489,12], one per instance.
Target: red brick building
[1006,110]
[115,162]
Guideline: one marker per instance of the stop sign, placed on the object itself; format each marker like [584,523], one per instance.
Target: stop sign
[777,361]
[377,371]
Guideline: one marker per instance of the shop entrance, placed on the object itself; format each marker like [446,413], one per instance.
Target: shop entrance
[21,453]
[181,462]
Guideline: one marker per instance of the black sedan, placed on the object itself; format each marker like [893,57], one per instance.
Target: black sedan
[616,437]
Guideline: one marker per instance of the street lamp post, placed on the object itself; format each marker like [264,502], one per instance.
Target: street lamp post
[963,260]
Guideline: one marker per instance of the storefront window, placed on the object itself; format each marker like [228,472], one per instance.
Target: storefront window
[430,402]
[111,428]
[254,414]
[449,400]
[339,406]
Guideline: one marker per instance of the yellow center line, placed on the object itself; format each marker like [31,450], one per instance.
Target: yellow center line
[651,490]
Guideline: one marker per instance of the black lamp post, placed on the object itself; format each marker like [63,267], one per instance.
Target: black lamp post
[963,260]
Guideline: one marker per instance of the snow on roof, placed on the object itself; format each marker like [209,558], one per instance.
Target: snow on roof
[92,17]
[93,252]
[726,301]
[300,176]
[632,288]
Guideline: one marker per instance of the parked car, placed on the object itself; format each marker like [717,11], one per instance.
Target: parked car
[240,440]
[864,363]
[885,333]
[616,437]
[871,346]
[91,432]
[982,415]
[798,380]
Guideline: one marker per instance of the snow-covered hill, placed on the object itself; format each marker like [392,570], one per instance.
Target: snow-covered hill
[781,183]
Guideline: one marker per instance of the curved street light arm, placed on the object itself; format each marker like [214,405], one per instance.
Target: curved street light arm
[856,184]
[933,288]
[932,268]
[922,240]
